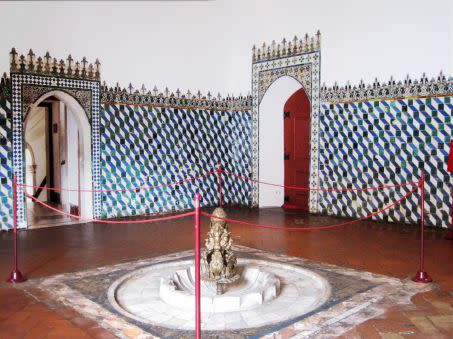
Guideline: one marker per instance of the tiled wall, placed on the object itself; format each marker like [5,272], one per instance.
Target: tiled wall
[144,145]
[362,143]
[6,209]
[380,142]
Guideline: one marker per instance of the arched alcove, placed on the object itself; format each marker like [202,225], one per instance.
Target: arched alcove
[78,133]
[271,163]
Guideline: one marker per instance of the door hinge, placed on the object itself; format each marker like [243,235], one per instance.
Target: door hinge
[286,156]
[286,115]
[286,198]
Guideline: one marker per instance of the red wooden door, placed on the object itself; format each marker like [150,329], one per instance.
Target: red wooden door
[297,149]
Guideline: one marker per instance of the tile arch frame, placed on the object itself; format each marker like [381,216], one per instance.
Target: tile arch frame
[292,66]
[18,138]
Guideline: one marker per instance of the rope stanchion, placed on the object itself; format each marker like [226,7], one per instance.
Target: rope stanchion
[422,276]
[219,171]
[312,228]
[15,276]
[138,188]
[197,266]
[414,183]
[141,221]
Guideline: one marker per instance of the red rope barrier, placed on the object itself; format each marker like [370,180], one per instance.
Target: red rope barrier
[119,190]
[108,221]
[218,172]
[312,228]
[320,189]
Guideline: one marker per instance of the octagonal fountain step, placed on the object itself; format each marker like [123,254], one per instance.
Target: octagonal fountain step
[253,288]
[137,295]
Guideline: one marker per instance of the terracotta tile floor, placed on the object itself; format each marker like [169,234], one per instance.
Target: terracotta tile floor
[388,249]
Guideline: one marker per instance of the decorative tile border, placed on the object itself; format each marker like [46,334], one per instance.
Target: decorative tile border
[19,81]
[388,90]
[156,98]
[301,73]
[305,68]
[31,93]
[46,65]
[287,48]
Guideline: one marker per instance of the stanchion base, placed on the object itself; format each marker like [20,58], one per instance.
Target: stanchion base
[422,277]
[16,277]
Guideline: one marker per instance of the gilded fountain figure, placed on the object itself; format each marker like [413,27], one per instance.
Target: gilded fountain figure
[218,260]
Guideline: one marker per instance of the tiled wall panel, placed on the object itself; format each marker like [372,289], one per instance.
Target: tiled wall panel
[143,145]
[381,142]
[6,199]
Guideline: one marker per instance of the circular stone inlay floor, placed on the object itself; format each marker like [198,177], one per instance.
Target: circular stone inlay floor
[136,295]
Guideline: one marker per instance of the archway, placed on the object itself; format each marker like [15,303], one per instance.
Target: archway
[269,65]
[59,128]
[271,141]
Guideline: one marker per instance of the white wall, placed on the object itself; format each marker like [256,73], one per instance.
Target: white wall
[56,143]
[207,44]
[35,136]
[64,171]
[271,143]
[72,158]
[69,148]
[29,172]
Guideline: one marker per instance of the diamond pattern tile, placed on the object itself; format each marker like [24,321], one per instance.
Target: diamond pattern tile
[6,208]
[381,142]
[142,145]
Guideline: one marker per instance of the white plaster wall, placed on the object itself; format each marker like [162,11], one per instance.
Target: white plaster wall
[35,136]
[72,158]
[207,44]
[56,143]
[64,156]
[271,163]
[69,153]
[29,176]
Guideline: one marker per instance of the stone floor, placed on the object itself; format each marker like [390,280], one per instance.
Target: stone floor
[387,249]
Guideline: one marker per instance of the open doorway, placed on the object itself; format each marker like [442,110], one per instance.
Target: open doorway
[56,157]
[285,133]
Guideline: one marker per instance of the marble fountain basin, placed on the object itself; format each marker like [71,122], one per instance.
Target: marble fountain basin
[269,292]
[253,288]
